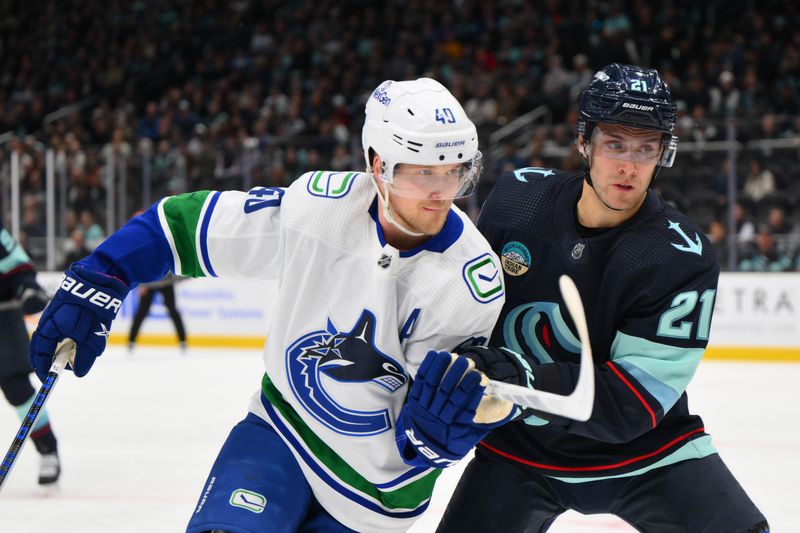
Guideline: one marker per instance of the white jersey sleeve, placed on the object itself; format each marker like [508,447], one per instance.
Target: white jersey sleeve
[228,234]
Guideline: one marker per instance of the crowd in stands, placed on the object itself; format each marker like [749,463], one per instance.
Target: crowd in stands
[164,97]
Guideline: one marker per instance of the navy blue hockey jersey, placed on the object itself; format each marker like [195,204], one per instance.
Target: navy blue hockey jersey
[648,287]
[15,265]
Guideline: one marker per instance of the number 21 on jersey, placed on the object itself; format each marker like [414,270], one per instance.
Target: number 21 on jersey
[671,325]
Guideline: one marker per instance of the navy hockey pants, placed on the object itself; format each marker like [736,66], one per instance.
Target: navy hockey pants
[699,495]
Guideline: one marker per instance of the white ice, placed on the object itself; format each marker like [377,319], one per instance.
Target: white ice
[138,435]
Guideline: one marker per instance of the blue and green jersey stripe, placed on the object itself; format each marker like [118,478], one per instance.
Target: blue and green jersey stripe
[409,496]
[186,218]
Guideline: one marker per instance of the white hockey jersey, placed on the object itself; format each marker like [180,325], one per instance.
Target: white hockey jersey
[353,321]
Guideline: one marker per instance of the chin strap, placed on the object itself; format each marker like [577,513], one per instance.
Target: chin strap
[387,210]
[587,175]
[584,150]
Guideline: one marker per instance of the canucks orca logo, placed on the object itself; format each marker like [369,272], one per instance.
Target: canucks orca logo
[539,329]
[346,357]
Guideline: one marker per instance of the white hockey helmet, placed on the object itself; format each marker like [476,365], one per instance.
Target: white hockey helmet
[420,123]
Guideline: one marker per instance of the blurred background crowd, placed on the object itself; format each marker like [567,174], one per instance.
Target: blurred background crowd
[129,101]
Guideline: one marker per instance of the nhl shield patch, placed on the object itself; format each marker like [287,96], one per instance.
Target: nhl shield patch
[483,278]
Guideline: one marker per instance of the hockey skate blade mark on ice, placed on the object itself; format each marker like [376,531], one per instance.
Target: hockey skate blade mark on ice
[577,405]
[249,500]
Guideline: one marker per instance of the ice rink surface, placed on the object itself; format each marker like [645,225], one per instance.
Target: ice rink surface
[138,435]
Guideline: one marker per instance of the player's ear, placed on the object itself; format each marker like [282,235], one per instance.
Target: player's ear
[376,165]
[374,161]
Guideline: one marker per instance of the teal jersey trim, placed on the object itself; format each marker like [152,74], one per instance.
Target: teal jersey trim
[534,420]
[694,449]
[16,255]
[665,371]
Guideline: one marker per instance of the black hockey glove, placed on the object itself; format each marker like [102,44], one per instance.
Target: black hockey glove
[30,294]
[502,364]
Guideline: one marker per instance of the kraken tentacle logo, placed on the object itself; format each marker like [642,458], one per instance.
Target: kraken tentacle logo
[539,329]
[345,357]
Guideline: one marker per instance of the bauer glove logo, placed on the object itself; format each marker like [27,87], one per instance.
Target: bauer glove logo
[95,296]
[425,451]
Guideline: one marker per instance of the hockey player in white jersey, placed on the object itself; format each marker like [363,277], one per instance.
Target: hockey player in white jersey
[380,278]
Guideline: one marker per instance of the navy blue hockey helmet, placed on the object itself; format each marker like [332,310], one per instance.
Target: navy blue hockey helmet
[630,96]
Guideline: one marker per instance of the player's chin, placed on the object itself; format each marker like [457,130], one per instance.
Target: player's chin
[621,205]
[431,223]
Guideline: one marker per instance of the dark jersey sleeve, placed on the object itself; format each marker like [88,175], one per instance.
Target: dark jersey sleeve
[652,359]
[660,333]
[15,265]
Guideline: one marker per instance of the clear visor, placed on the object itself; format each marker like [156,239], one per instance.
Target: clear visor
[441,182]
[628,144]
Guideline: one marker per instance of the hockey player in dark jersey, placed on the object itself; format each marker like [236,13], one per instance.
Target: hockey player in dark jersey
[20,295]
[648,278]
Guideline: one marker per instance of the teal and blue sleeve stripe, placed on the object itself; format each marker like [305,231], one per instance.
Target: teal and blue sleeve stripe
[12,256]
[664,370]
[636,388]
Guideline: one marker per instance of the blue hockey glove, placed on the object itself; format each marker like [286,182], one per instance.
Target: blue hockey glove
[437,425]
[82,309]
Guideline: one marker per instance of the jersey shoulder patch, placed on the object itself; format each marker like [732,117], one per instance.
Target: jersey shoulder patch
[677,233]
[667,248]
[483,278]
[331,184]
[523,200]
[528,174]
[686,235]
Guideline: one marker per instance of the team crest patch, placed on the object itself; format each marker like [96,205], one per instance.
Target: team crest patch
[483,278]
[516,258]
[331,184]
[246,499]
[320,359]
[539,329]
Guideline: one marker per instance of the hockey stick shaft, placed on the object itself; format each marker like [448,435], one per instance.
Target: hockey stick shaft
[62,357]
[577,405]
[10,304]
[15,304]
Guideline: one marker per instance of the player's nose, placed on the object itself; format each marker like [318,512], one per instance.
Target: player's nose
[627,168]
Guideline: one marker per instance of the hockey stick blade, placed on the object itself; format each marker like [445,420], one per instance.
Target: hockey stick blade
[64,354]
[577,405]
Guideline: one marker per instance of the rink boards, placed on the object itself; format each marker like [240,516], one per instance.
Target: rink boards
[755,315]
